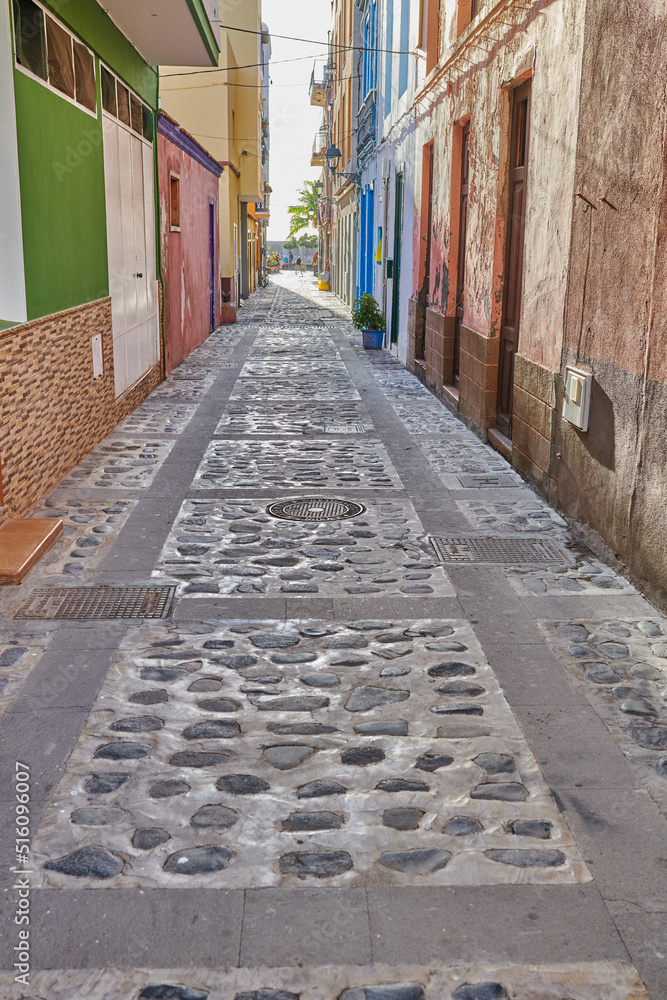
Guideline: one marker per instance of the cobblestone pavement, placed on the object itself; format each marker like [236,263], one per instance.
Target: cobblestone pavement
[341,768]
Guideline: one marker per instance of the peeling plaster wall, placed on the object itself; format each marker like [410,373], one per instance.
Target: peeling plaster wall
[544,42]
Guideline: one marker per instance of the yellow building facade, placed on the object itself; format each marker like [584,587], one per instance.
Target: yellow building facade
[224,109]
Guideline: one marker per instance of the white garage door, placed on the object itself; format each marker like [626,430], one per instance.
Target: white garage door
[130,208]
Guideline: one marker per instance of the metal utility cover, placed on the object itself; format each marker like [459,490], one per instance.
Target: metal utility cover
[476,549]
[315,509]
[97,603]
[481,482]
[346,429]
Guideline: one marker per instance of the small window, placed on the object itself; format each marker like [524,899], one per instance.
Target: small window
[84,74]
[137,114]
[60,60]
[123,104]
[148,123]
[175,201]
[30,37]
[109,92]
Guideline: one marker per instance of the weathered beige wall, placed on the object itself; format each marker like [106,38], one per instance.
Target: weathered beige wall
[615,476]
[545,42]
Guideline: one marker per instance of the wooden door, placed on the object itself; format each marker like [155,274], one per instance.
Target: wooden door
[463,239]
[423,297]
[509,332]
[129,187]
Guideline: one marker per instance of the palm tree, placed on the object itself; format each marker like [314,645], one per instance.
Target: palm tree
[305,212]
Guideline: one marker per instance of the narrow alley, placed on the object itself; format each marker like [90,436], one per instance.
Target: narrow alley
[333,707]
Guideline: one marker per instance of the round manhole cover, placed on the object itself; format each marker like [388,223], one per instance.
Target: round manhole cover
[315,509]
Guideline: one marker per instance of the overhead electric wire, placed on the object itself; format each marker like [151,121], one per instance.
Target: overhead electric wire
[260,86]
[313,41]
[231,69]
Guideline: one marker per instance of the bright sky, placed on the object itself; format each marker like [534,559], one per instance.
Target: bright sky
[293,121]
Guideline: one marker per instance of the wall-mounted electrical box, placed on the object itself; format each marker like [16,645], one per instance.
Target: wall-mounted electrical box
[577,397]
[98,357]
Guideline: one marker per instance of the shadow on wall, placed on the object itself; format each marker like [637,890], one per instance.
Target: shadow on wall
[600,439]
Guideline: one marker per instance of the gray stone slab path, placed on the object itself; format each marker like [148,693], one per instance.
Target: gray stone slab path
[341,769]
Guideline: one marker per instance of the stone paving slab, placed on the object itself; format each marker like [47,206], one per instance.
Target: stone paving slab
[119,462]
[474,981]
[158,417]
[523,514]
[295,368]
[589,577]
[449,456]
[234,548]
[288,387]
[90,527]
[386,751]
[281,416]
[19,652]
[622,668]
[336,463]
[184,390]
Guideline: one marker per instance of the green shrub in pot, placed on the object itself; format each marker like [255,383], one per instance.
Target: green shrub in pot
[367,314]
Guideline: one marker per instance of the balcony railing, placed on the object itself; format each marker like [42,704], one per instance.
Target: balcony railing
[366,128]
[319,149]
[318,87]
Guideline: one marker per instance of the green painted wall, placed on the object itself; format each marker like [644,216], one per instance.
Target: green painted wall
[61,166]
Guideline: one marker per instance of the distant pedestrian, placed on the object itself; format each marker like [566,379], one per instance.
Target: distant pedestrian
[291,258]
[298,265]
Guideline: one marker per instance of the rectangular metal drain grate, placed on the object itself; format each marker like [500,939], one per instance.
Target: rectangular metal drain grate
[98,603]
[495,550]
[346,429]
[481,482]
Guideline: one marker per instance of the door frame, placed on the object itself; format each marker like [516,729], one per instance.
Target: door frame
[514,251]
[462,242]
[152,320]
[399,197]
[211,261]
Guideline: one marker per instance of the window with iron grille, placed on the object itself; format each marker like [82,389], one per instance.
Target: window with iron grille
[47,51]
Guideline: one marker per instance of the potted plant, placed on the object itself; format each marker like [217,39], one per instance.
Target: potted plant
[367,317]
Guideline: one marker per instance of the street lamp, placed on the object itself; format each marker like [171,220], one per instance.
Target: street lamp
[332,156]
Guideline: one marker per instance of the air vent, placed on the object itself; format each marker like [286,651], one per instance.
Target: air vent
[97,603]
[346,429]
[483,482]
[496,550]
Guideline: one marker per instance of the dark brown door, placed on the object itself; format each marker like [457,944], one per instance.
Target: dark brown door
[509,332]
[463,237]
[423,297]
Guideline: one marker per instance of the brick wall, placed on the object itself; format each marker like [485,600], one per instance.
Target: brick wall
[478,377]
[52,411]
[534,412]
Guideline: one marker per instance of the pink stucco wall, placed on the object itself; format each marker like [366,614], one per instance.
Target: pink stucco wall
[185,254]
